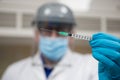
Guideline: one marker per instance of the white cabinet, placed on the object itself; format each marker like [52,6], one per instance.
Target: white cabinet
[7,19]
[27,20]
[90,25]
[113,25]
[19,23]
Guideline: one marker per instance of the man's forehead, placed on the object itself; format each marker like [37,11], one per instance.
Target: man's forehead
[55,26]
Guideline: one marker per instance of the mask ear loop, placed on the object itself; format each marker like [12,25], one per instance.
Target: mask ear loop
[34,45]
[33,52]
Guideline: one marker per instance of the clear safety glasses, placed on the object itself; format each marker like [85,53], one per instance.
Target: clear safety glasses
[62,34]
[51,33]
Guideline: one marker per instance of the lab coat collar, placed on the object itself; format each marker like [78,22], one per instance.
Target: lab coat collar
[64,62]
[62,66]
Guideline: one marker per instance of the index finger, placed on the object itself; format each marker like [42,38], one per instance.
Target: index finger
[105,36]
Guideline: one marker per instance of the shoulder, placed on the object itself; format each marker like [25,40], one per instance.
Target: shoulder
[20,64]
[84,58]
[15,69]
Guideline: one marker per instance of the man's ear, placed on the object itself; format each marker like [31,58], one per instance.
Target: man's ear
[37,35]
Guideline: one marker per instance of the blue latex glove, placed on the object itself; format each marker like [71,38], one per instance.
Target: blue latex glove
[106,49]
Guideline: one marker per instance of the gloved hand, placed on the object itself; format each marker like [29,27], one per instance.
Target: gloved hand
[106,49]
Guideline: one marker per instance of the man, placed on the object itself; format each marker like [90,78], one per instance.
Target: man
[55,61]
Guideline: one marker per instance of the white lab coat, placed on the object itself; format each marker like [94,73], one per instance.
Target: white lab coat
[72,67]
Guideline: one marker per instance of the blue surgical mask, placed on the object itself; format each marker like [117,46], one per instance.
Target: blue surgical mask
[53,48]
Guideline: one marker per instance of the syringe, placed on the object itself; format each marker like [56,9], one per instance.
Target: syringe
[77,36]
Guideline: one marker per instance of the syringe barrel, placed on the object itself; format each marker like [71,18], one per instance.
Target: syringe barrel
[77,36]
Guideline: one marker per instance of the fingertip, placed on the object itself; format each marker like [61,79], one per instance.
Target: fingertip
[102,35]
[97,35]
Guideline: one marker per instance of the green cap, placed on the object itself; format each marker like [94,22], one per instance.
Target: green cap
[63,33]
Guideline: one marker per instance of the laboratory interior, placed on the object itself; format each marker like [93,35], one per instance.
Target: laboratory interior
[16,31]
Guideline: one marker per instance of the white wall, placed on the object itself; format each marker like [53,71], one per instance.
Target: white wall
[96,19]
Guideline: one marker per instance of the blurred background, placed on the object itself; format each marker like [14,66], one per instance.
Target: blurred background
[16,33]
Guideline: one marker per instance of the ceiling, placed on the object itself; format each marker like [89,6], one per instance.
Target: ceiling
[96,5]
